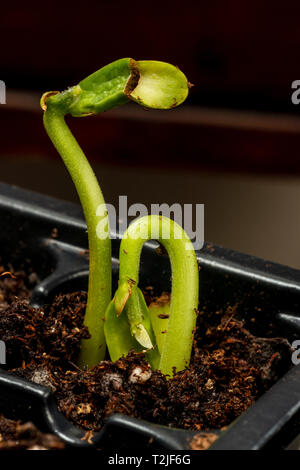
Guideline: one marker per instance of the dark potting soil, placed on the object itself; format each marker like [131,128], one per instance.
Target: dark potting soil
[15,284]
[15,436]
[229,370]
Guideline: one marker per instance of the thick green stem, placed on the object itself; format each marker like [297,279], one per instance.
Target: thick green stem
[176,351]
[99,291]
[159,313]
[150,83]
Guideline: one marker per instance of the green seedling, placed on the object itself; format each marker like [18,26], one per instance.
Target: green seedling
[128,322]
[151,84]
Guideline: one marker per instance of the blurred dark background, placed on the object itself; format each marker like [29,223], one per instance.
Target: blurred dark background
[234,145]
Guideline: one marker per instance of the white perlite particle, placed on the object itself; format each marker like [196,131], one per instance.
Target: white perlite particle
[114,380]
[139,375]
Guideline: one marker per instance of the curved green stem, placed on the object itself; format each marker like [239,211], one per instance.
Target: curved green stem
[159,315]
[176,351]
[150,83]
[99,291]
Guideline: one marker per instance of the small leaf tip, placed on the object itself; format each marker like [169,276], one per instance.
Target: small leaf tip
[45,97]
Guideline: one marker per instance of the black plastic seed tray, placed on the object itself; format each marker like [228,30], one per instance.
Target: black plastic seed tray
[268,291]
